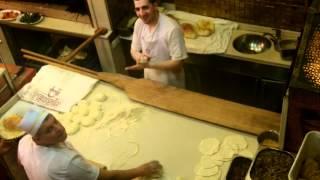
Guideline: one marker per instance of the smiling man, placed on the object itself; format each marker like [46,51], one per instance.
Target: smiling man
[158,45]
[45,154]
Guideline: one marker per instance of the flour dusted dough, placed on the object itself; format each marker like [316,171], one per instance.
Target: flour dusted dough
[208,162]
[87,121]
[75,109]
[72,127]
[201,171]
[95,105]
[246,153]
[67,116]
[214,177]
[209,146]
[95,114]
[83,110]
[235,142]
[100,97]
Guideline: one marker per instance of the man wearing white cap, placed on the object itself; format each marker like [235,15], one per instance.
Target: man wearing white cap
[44,153]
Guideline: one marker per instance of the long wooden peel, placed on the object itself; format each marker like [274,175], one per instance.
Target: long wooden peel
[225,113]
[97,33]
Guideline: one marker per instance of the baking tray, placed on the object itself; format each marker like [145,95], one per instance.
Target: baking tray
[310,148]
[15,105]
[238,168]
[251,169]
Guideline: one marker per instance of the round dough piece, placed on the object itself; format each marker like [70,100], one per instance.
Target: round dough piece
[205,27]
[75,109]
[84,110]
[88,121]
[100,97]
[72,127]
[67,116]
[95,105]
[214,177]
[77,118]
[208,162]
[209,146]
[189,30]
[95,114]
[206,172]
[235,142]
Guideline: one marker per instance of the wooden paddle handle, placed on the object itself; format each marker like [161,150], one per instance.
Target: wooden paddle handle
[98,32]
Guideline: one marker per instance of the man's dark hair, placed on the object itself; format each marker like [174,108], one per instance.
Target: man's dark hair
[152,1]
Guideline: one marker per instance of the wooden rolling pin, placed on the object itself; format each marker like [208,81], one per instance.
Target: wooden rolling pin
[218,111]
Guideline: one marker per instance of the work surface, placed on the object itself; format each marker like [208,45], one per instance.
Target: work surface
[131,133]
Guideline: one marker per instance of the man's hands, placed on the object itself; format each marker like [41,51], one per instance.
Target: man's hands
[151,169]
[141,62]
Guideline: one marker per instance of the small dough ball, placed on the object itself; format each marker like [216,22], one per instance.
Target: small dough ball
[75,109]
[77,118]
[100,97]
[67,116]
[83,102]
[72,128]
[201,171]
[88,121]
[96,114]
[209,146]
[84,110]
[96,105]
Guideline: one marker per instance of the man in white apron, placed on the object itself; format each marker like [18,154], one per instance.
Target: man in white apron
[45,155]
[158,45]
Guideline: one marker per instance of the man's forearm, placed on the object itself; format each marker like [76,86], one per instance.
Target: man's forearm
[119,174]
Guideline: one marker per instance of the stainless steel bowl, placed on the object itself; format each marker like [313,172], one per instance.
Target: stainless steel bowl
[269,138]
[251,43]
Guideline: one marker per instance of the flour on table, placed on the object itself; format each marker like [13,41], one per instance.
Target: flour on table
[209,146]
[130,150]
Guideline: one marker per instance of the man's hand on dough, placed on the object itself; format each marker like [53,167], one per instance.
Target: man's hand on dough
[151,169]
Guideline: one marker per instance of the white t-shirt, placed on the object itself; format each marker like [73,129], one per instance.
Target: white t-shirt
[165,42]
[54,163]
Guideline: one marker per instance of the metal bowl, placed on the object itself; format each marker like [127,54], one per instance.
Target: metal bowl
[251,43]
[269,138]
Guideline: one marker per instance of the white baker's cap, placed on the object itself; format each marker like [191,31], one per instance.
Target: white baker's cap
[32,120]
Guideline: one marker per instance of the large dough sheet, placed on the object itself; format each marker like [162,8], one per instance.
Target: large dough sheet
[168,137]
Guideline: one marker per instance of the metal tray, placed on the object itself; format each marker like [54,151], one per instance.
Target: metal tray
[253,164]
[13,106]
[309,148]
[238,168]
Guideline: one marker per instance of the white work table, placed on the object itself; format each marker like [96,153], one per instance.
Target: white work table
[168,137]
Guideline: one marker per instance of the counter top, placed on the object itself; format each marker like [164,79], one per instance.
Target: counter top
[157,134]
[54,25]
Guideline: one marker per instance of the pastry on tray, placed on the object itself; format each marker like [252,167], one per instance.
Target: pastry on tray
[189,30]
[205,27]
